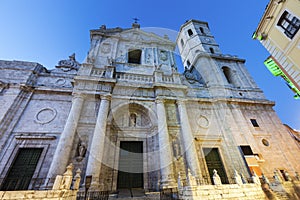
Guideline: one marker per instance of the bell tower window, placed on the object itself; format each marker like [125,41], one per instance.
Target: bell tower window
[188,63]
[190,32]
[182,42]
[201,30]
[134,56]
[211,50]
[227,74]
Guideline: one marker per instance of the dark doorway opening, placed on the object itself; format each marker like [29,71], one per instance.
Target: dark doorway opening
[213,161]
[22,169]
[130,173]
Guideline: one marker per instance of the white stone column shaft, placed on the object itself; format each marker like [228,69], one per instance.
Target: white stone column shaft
[165,155]
[188,140]
[97,145]
[64,146]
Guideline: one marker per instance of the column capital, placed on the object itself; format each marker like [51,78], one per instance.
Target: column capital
[79,95]
[180,101]
[106,97]
[160,100]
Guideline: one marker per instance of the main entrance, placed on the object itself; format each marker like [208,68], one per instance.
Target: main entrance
[213,161]
[130,173]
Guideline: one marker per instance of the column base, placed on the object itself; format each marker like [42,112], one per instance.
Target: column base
[96,186]
[168,184]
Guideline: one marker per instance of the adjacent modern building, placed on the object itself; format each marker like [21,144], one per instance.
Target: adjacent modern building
[278,32]
[131,122]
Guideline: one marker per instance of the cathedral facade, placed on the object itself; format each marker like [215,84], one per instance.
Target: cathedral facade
[128,119]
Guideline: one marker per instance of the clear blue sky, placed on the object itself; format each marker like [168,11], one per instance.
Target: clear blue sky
[48,31]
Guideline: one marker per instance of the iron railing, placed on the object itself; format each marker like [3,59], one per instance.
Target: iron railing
[169,194]
[92,195]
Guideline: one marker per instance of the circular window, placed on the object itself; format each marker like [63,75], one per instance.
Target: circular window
[265,142]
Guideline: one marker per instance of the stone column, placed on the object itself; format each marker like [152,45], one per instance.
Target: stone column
[188,140]
[65,144]
[97,145]
[165,155]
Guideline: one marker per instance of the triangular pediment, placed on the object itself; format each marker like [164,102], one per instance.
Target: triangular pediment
[139,35]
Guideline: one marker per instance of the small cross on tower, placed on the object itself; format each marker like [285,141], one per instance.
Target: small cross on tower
[136,20]
[135,23]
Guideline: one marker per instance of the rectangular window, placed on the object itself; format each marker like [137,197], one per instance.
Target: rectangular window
[134,56]
[22,169]
[247,151]
[289,23]
[254,122]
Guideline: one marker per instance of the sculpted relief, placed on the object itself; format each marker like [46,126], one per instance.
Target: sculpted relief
[130,117]
[106,48]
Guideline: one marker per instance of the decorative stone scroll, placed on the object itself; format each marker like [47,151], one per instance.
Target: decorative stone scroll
[190,76]
[68,65]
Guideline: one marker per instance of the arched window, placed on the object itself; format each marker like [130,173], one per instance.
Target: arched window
[134,56]
[201,30]
[211,50]
[190,32]
[227,74]
[182,42]
[188,63]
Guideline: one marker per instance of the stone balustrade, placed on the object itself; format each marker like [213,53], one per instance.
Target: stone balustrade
[134,77]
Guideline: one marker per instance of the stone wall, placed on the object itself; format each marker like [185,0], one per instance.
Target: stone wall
[230,191]
[39,195]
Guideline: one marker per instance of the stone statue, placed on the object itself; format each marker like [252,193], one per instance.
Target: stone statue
[68,65]
[191,179]
[237,178]
[179,182]
[265,179]
[276,177]
[243,179]
[255,178]
[287,176]
[297,176]
[81,151]
[132,120]
[110,61]
[216,178]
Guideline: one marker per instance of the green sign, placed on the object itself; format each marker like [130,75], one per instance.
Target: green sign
[276,71]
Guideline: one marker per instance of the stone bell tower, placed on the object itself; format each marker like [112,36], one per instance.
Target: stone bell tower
[224,74]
